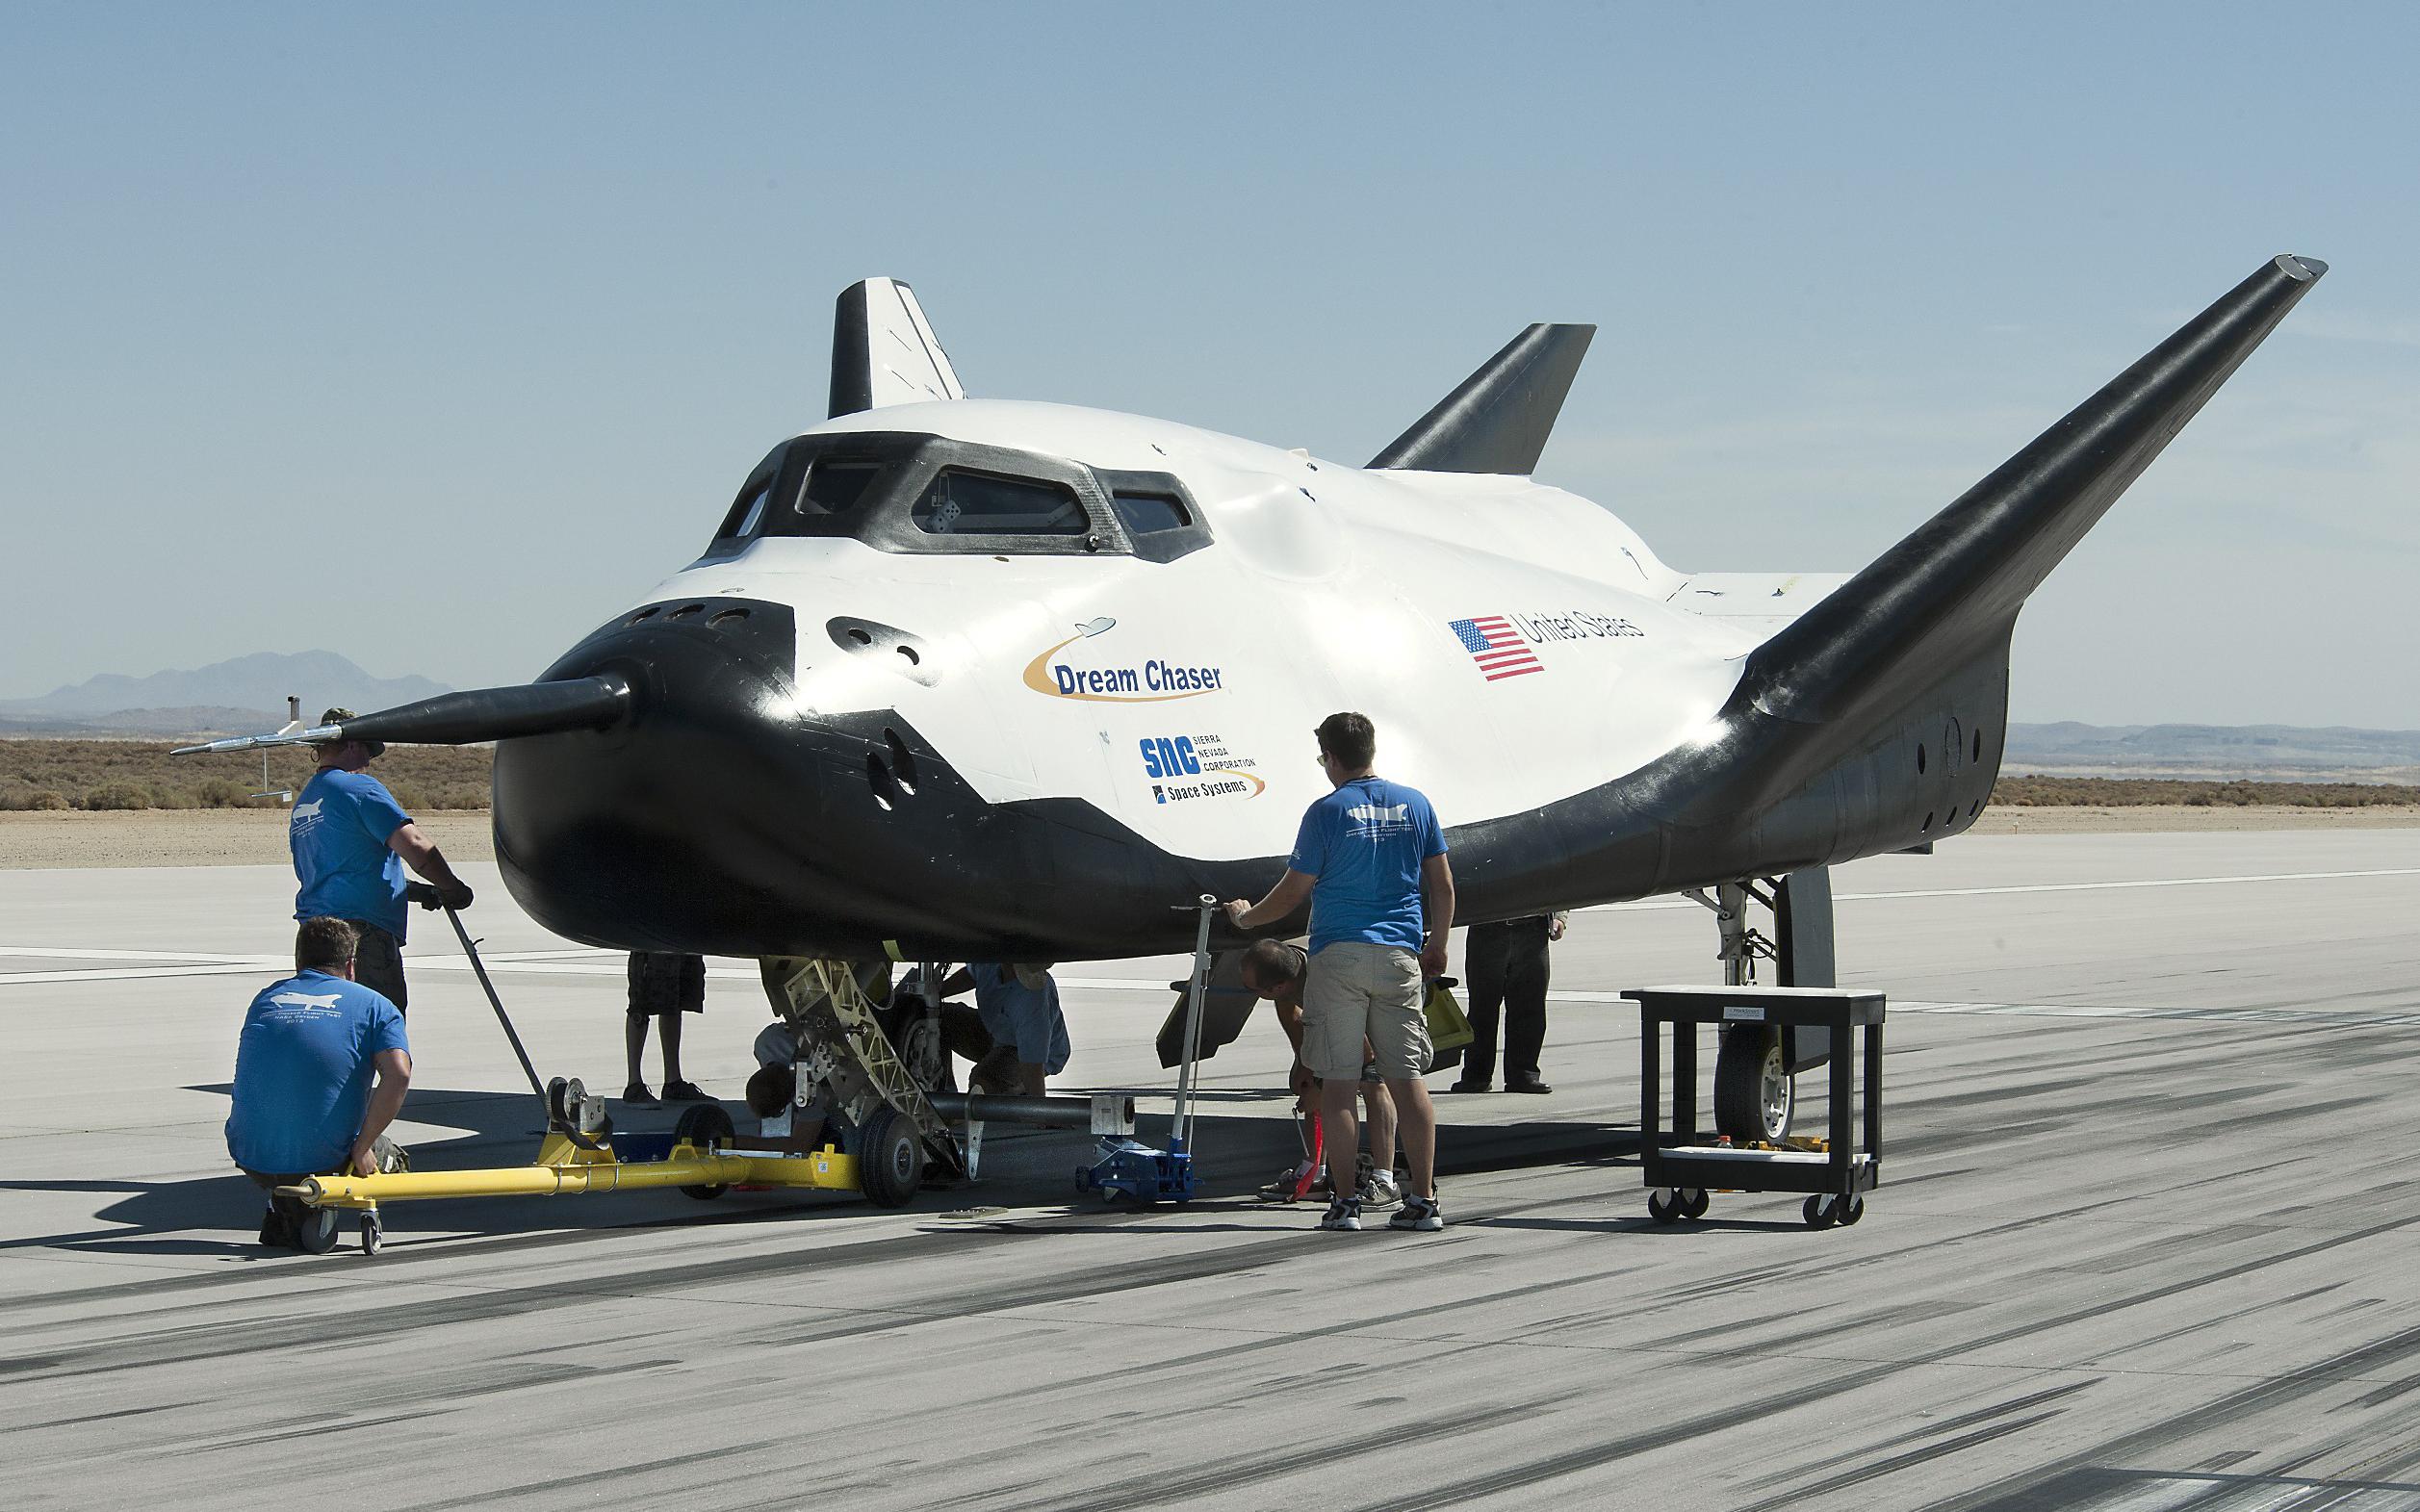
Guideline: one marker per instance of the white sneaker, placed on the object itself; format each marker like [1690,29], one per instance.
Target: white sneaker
[1344,1214]
[1379,1190]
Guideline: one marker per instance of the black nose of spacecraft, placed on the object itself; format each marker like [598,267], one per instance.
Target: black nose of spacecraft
[668,829]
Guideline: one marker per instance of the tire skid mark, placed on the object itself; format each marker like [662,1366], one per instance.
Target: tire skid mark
[1861,1375]
[1974,1418]
[2290,1389]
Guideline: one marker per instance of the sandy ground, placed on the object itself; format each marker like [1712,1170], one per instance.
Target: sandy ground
[192,837]
[2174,819]
[257,837]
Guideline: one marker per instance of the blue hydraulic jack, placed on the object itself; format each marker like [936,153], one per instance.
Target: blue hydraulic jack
[1128,1167]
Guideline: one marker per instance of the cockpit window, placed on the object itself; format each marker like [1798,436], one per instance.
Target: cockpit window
[747,511]
[1148,514]
[754,517]
[827,502]
[959,502]
[914,494]
[836,486]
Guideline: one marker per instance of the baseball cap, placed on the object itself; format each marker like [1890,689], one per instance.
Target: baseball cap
[337,716]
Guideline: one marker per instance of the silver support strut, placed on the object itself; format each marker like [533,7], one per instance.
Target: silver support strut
[1181,1126]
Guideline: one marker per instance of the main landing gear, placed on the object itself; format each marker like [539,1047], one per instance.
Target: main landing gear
[1756,1065]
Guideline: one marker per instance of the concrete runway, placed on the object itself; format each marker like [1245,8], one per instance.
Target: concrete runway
[2149,1236]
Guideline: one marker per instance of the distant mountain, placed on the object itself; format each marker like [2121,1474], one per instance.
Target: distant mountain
[2334,753]
[144,724]
[244,685]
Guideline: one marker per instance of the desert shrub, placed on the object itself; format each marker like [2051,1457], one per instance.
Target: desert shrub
[19,797]
[219,792]
[2127,792]
[436,777]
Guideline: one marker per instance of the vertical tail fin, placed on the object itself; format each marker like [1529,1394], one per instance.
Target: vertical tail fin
[1497,420]
[884,350]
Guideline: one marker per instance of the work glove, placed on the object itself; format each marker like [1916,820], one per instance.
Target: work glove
[456,897]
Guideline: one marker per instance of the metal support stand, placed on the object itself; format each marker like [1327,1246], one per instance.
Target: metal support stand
[1133,1169]
[1835,1170]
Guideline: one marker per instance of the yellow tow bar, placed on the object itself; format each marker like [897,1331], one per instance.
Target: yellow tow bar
[564,1169]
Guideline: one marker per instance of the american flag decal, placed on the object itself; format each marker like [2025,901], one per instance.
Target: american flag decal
[1495,646]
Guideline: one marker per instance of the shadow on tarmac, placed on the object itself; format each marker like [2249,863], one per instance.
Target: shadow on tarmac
[216,1215]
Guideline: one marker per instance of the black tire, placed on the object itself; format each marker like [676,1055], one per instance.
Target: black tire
[1754,1096]
[702,1124]
[315,1231]
[1696,1204]
[1847,1211]
[1660,1211]
[889,1159]
[1817,1212]
[373,1233]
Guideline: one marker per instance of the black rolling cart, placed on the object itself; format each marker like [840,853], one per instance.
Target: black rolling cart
[1682,1167]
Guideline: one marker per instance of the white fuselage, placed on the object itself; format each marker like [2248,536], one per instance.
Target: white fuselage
[1179,697]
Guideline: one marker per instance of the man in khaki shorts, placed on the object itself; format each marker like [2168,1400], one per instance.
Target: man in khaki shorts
[1371,858]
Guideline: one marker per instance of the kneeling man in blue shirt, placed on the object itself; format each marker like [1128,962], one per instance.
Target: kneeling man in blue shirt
[303,1103]
[1371,858]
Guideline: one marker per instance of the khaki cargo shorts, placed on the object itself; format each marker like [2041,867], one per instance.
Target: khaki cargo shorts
[1356,991]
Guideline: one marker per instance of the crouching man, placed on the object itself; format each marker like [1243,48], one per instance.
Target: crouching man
[305,1103]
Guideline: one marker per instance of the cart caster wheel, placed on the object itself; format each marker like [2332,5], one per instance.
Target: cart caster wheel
[1817,1212]
[373,1234]
[1698,1203]
[1846,1213]
[315,1231]
[1663,1211]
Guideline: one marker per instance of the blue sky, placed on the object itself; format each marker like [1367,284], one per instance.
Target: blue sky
[432,334]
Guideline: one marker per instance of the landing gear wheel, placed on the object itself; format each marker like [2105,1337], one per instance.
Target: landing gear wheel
[373,1233]
[315,1231]
[889,1159]
[1697,1204]
[1846,1211]
[1817,1212]
[704,1125]
[1755,1094]
[922,1047]
[1663,1211]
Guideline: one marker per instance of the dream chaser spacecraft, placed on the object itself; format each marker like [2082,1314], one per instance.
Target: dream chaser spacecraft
[967,678]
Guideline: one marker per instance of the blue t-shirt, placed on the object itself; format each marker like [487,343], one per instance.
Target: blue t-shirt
[338,832]
[1362,845]
[302,1072]
[1016,1015]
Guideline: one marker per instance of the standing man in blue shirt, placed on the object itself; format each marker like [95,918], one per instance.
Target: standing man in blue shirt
[303,1104]
[351,841]
[1371,858]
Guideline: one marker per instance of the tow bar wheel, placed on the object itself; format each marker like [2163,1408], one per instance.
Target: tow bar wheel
[314,1230]
[890,1159]
[707,1126]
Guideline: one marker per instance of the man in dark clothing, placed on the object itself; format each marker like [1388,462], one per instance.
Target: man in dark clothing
[664,987]
[1508,967]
